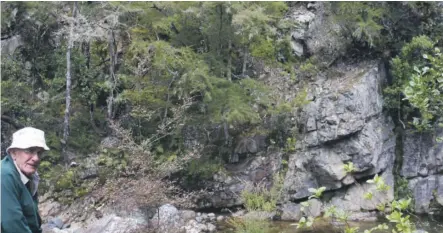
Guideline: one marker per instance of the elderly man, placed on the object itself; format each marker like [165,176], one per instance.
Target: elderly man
[19,182]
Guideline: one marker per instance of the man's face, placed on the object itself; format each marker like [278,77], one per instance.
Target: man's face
[28,159]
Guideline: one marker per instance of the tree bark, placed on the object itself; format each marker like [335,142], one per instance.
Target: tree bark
[68,86]
[87,53]
[229,68]
[220,41]
[229,71]
[113,78]
[245,59]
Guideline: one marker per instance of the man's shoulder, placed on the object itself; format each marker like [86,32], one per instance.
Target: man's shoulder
[8,169]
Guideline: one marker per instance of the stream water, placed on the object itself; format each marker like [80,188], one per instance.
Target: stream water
[426,224]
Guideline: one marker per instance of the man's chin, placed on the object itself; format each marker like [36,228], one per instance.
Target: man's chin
[30,171]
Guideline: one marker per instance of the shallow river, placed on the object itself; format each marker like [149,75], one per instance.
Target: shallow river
[428,224]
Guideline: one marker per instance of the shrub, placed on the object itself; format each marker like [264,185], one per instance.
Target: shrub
[259,198]
[250,225]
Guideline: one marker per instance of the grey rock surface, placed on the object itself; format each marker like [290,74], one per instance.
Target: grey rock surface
[344,123]
[425,189]
[353,198]
[291,211]
[422,155]
[168,219]
[227,187]
[9,46]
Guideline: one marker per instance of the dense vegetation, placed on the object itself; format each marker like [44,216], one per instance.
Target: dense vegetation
[161,69]
[155,67]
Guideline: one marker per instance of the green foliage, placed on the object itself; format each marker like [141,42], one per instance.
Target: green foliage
[381,26]
[401,189]
[205,169]
[379,227]
[290,144]
[351,229]
[368,196]
[308,68]
[402,223]
[379,183]
[113,160]
[173,61]
[396,215]
[67,186]
[418,83]
[360,21]
[65,181]
[402,204]
[263,48]
[53,141]
[234,103]
[250,225]
[259,198]
[316,192]
[305,222]
[349,167]
[299,101]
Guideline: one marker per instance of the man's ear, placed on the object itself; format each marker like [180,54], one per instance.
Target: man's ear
[12,153]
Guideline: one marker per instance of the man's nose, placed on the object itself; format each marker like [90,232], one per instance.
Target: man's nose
[35,157]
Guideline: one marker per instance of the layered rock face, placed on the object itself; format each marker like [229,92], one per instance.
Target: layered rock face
[315,33]
[344,123]
[423,167]
[225,190]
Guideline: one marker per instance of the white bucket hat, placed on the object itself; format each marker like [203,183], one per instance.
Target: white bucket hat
[28,137]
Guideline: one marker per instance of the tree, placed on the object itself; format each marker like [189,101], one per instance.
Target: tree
[68,83]
[256,25]
[418,83]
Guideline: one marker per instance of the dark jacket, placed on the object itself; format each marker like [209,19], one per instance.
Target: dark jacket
[19,209]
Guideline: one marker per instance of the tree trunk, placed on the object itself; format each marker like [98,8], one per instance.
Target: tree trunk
[220,40]
[68,87]
[112,76]
[229,68]
[87,53]
[245,59]
[226,131]
[229,71]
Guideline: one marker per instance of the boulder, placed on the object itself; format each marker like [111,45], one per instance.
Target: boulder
[112,223]
[49,208]
[316,31]
[345,106]
[314,208]
[211,227]
[301,18]
[251,145]
[195,227]
[187,215]
[353,198]
[167,219]
[291,211]
[89,167]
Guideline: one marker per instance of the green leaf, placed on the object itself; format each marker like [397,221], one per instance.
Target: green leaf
[368,196]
